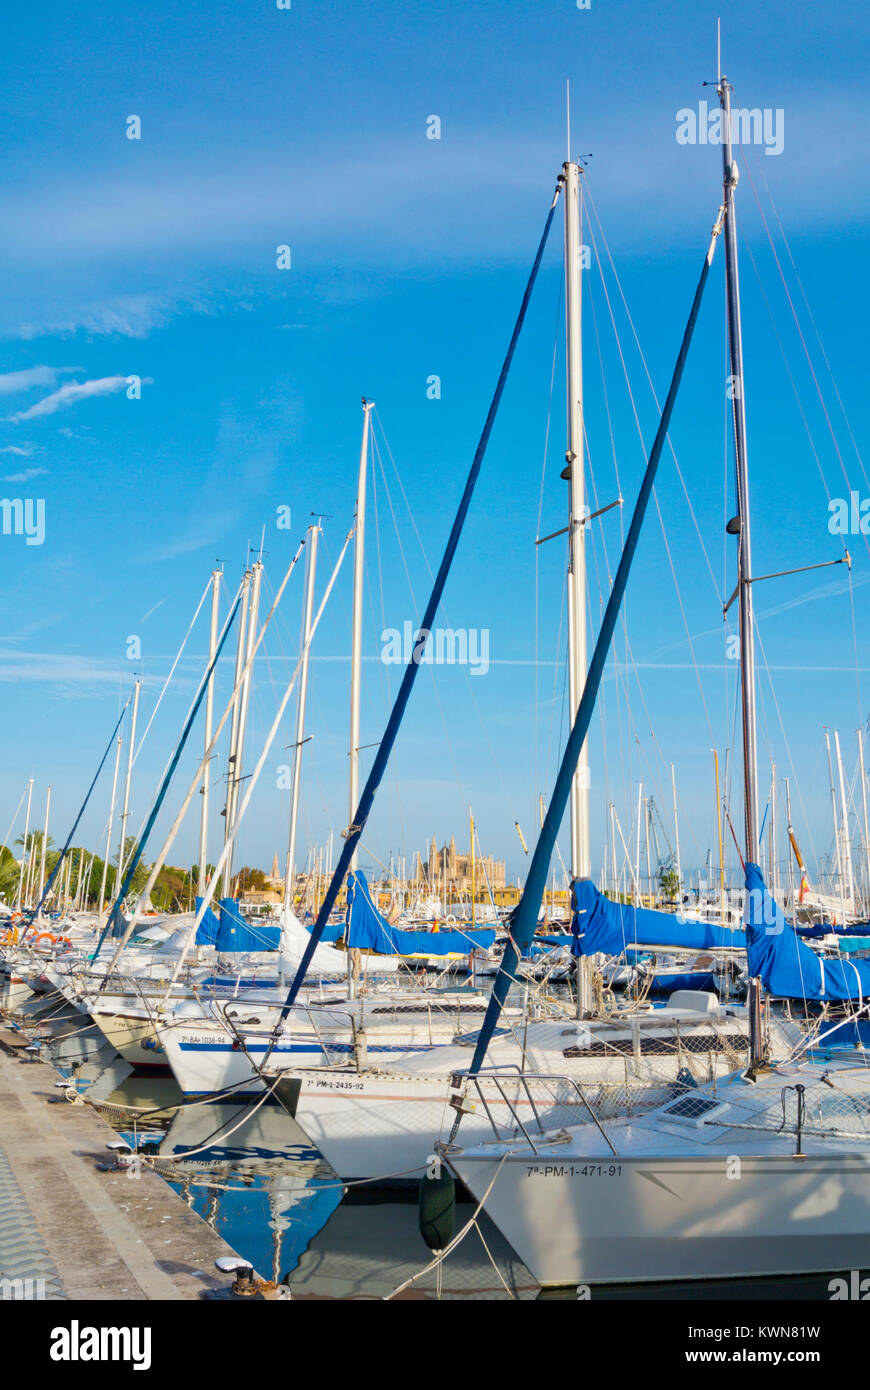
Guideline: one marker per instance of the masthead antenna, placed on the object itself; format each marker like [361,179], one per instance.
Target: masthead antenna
[718,53]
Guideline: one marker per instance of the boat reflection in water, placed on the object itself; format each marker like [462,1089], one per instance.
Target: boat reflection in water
[254,1177]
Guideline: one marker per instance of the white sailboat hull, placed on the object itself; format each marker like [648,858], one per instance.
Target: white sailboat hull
[135,1039]
[615,1219]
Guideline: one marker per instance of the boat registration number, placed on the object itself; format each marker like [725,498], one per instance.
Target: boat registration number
[574,1170]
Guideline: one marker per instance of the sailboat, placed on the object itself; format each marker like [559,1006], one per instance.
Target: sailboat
[764,1172]
[383,1113]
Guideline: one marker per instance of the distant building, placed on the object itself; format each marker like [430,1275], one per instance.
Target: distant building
[447,864]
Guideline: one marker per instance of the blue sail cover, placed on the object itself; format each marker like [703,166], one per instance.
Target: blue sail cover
[207,931]
[332,932]
[235,933]
[811,933]
[597,924]
[787,967]
[367,930]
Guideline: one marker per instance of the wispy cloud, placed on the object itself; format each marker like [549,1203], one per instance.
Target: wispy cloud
[25,476]
[129,315]
[413,195]
[69,394]
[62,667]
[13,382]
[153,609]
[14,449]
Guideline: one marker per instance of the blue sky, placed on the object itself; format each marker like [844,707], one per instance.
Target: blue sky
[307,127]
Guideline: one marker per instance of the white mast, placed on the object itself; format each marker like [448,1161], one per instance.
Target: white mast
[772,831]
[837,843]
[790,833]
[740,525]
[109,829]
[234,759]
[356,635]
[209,715]
[637,844]
[677,834]
[244,701]
[308,609]
[574,473]
[137,685]
[646,843]
[44,845]
[25,852]
[864,807]
[844,822]
[613,855]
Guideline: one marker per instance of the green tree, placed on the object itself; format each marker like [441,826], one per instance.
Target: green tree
[250,881]
[173,890]
[669,882]
[10,872]
[140,877]
[34,842]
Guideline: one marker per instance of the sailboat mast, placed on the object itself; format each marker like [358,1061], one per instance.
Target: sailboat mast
[720,839]
[844,823]
[247,640]
[109,830]
[471,819]
[791,841]
[741,523]
[244,701]
[679,866]
[864,808]
[575,474]
[356,634]
[837,842]
[202,877]
[233,769]
[637,845]
[308,611]
[44,847]
[25,852]
[773,846]
[137,686]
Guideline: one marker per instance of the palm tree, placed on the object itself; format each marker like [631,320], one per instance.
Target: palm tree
[34,841]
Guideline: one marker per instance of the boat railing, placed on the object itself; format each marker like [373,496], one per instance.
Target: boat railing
[494,1085]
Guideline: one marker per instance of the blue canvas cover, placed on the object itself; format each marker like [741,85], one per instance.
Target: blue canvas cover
[671,981]
[207,931]
[787,967]
[332,932]
[598,924]
[367,930]
[811,933]
[235,933]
